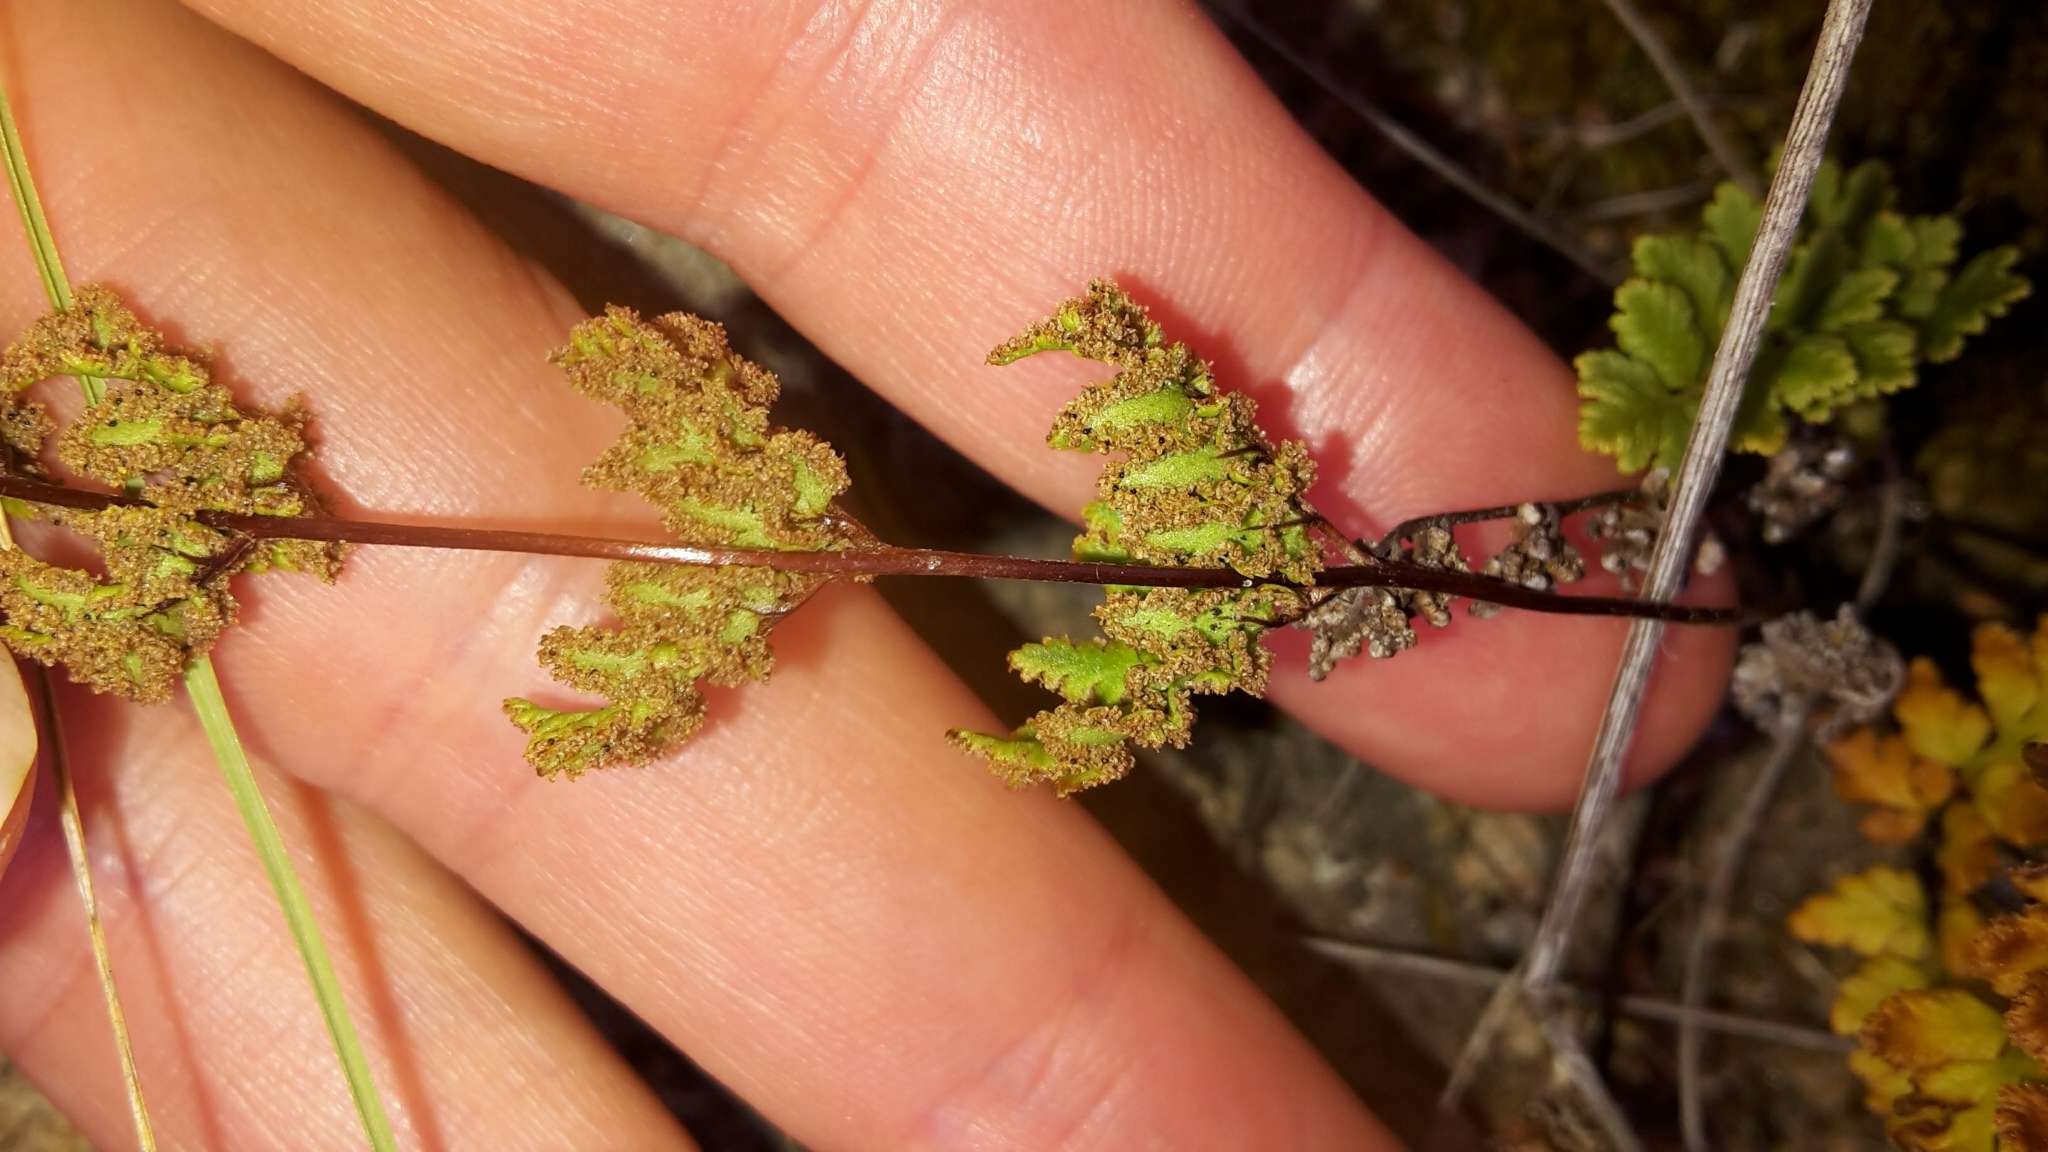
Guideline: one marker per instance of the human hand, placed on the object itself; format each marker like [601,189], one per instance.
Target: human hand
[17,764]
[849,923]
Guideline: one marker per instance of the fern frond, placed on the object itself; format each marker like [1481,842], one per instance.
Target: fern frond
[1196,484]
[1952,1024]
[159,428]
[1867,296]
[699,447]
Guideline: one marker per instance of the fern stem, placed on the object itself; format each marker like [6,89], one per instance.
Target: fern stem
[1826,79]
[1786,744]
[1569,1059]
[885,560]
[212,707]
[1891,526]
[1688,97]
[51,741]
[1382,958]
[1646,203]
[1416,148]
[81,875]
[1702,463]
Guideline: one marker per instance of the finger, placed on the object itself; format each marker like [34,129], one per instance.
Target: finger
[912,181]
[15,816]
[17,761]
[834,912]
[470,1042]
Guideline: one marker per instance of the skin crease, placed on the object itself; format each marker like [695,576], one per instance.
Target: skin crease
[865,936]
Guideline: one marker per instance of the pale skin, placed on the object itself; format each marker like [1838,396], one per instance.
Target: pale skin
[850,924]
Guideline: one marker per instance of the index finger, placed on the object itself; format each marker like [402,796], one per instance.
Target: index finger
[870,940]
[909,181]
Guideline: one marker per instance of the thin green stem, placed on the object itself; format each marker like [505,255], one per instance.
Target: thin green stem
[204,689]
[41,243]
[51,270]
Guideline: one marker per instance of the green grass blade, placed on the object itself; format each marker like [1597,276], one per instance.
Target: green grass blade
[59,291]
[204,688]
[42,245]
[33,221]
